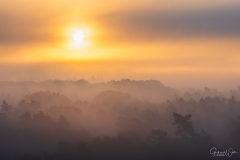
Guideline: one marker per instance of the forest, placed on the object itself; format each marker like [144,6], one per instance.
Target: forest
[117,120]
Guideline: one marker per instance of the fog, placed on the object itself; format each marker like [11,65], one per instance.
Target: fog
[125,119]
[119,80]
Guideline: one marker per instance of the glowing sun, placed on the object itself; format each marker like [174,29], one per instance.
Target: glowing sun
[78,36]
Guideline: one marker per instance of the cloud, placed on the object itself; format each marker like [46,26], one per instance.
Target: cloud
[19,28]
[155,25]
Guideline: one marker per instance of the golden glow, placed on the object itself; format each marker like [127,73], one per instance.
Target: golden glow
[98,38]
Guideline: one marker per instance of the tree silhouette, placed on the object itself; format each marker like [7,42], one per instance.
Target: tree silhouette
[5,107]
[26,117]
[184,128]
[42,118]
[158,136]
[62,121]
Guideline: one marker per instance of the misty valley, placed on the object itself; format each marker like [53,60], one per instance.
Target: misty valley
[116,120]
[119,80]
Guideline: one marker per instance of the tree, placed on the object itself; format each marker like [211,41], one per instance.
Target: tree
[184,128]
[42,118]
[158,135]
[5,107]
[32,105]
[62,121]
[26,117]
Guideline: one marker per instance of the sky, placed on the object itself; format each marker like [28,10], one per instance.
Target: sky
[182,43]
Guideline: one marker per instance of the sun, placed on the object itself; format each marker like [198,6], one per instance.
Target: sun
[78,36]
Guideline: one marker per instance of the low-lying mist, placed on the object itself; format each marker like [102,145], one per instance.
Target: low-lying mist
[124,119]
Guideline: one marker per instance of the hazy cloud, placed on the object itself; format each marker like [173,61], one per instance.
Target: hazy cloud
[21,28]
[150,25]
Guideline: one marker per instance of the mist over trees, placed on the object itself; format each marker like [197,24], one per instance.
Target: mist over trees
[72,120]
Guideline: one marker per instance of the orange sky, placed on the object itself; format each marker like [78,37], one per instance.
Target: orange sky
[181,43]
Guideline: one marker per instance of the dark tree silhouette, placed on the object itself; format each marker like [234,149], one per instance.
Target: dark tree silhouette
[184,128]
[42,118]
[62,121]
[158,136]
[5,107]
[26,117]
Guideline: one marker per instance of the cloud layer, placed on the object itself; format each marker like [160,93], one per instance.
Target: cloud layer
[150,25]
